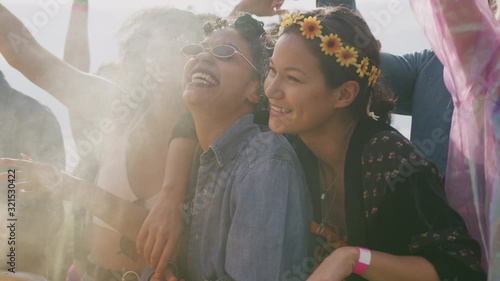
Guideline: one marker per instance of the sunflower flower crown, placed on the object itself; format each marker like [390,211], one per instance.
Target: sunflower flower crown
[332,45]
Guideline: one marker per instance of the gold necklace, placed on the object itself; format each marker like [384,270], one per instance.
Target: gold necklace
[326,189]
[323,194]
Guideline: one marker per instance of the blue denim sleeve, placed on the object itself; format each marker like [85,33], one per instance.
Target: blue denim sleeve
[271,212]
[401,72]
[350,4]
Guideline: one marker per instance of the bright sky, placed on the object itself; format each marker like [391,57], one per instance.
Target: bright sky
[390,20]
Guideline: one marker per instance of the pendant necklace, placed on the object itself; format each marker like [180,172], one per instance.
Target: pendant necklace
[325,190]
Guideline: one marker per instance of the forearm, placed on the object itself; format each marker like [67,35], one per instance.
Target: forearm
[236,10]
[259,8]
[387,267]
[19,47]
[83,94]
[76,51]
[401,73]
[177,169]
[382,267]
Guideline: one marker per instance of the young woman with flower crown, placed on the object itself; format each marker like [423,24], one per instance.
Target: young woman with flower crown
[380,208]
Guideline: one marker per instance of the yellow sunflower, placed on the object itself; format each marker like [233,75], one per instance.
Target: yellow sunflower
[330,44]
[311,27]
[287,21]
[296,17]
[363,67]
[346,56]
[374,73]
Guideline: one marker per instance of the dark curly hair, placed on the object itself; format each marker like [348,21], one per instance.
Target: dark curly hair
[137,34]
[353,31]
[253,32]
[136,31]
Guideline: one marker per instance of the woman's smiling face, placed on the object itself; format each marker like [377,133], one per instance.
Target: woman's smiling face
[300,100]
[221,85]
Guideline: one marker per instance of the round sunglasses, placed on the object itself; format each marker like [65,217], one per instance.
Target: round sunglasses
[219,51]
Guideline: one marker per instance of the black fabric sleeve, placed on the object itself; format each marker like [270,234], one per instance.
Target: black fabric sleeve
[407,211]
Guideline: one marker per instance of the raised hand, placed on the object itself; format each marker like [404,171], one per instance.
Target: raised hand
[259,7]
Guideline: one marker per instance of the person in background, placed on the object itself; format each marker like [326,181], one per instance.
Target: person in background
[28,127]
[465,38]
[77,54]
[417,81]
[259,8]
[349,4]
[132,118]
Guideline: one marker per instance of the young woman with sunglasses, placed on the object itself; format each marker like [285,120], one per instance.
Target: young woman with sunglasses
[250,202]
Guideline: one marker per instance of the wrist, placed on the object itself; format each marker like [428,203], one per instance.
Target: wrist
[173,193]
[81,5]
[352,256]
[363,260]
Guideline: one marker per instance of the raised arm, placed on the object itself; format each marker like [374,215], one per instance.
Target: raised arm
[83,94]
[259,8]
[161,230]
[402,72]
[76,50]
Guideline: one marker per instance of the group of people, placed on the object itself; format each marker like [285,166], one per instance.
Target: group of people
[271,156]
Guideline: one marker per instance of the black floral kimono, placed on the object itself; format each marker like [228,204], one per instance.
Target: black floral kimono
[395,203]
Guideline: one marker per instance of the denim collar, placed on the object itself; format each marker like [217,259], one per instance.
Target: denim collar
[230,143]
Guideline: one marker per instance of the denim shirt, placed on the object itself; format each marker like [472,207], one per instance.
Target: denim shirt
[417,81]
[251,209]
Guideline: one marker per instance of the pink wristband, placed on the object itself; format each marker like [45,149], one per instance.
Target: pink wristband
[80,7]
[365,257]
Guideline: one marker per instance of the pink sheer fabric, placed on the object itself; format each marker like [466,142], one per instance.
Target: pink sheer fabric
[466,38]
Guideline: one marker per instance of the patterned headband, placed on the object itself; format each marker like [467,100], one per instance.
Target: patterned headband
[332,45]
